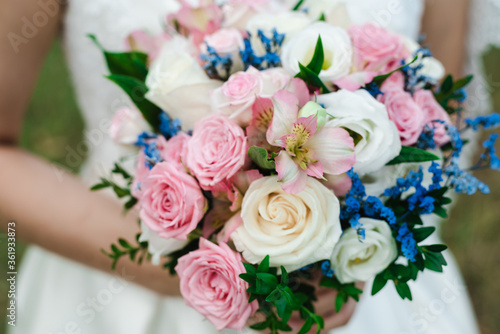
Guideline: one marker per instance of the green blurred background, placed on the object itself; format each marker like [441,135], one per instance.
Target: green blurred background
[53,123]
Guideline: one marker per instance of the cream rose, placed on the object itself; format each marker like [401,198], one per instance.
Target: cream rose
[376,137]
[336,45]
[294,230]
[172,79]
[353,260]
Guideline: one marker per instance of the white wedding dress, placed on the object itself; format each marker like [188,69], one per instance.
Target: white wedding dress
[58,296]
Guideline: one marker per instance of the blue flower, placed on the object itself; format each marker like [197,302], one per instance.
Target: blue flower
[169,127]
[437,176]
[456,141]
[462,181]
[373,89]
[490,153]
[272,47]
[326,269]
[149,148]
[486,121]
[214,62]
[408,243]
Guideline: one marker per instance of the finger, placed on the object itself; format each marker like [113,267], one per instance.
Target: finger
[340,319]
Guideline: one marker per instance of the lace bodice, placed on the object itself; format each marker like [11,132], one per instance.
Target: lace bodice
[112,21]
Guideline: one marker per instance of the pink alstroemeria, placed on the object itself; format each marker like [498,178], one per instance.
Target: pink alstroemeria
[307,148]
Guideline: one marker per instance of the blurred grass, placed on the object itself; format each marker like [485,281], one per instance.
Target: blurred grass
[54,124]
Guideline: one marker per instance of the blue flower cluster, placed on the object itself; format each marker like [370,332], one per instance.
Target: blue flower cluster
[408,244]
[216,62]
[358,205]
[426,139]
[149,148]
[490,153]
[412,72]
[420,200]
[373,89]
[455,139]
[462,181]
[169,127]
[272,46]
[487,121]
[326,269]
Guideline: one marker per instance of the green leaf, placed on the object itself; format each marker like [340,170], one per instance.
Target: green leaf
[379,80]
[311,79]
[120,192]
[248,278]
[124,243]
[264,265]
[403,290]
[130,203]
[322,18]
[340,300]
[298,5]
[100,186]
[434,248]
[133,64]
[440,211]
[250,268]
[435,261]
[260,156]
[412,154]
[265,283]
[274,295]
[121,171]
[422,233]
[378,283]
[318,58]
[307,326]
[284,277]
[136,90]
[261,325]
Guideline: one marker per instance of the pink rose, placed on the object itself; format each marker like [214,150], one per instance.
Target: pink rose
[126,125]
[210,284]
[216,151]
[404,112]
[236,96]
[140,40]
[172,203]
[376,49]
[433,111]
[175,149]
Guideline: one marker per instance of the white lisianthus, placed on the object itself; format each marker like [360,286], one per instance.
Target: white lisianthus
[288,23]
[431,67]
[172,79]
[126,125]
[353,260]
[336,45]
[294,230]
[335,11]
[158,246]
[376,137]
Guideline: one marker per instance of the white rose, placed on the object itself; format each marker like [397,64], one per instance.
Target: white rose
[288,23]
[353,260]
[431,67]
[237,13]
[172,79]
[294,230]
[336,45]
[126,125]
[377,140]
[158,246]
[226,42]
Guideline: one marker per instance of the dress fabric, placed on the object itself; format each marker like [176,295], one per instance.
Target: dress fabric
[57,295]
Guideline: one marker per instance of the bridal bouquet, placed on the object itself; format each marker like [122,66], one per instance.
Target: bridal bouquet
[275,145]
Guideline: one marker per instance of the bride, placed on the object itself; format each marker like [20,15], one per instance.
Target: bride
[65,284]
